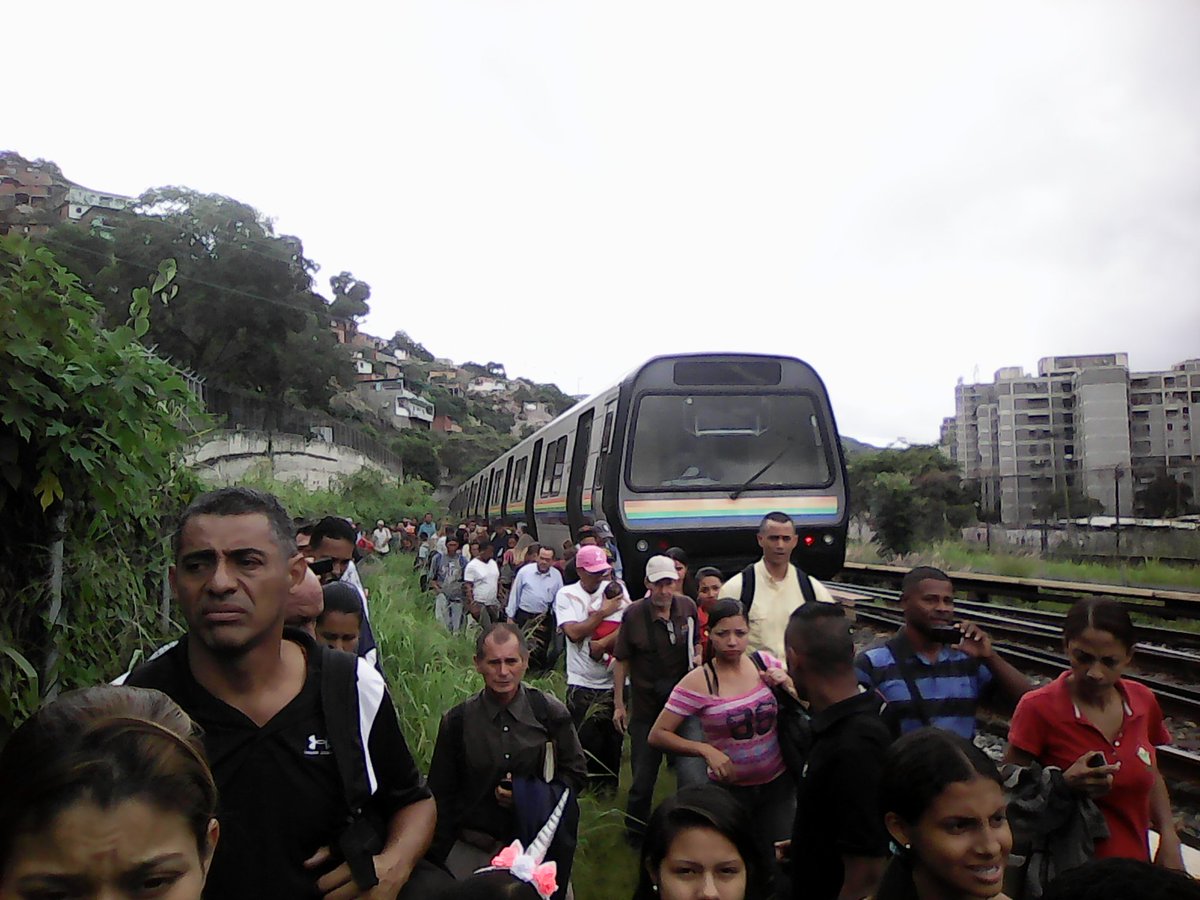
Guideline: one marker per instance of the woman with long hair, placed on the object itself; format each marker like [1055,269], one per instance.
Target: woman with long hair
[687,582]
[943,804]
[1102,730]
[733,694]
[106,792]
[702,843]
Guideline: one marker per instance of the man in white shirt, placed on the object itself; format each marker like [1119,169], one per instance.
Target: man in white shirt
[381,537]
[481,584]
[775,589]
[531,599]
[586,615]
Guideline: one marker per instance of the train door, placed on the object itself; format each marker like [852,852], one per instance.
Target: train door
[579,458]
[508,469]
[602,456]
[535,468]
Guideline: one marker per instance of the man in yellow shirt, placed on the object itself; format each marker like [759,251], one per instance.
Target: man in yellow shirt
[776,589]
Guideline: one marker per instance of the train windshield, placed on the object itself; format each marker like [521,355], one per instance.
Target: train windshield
[721,441]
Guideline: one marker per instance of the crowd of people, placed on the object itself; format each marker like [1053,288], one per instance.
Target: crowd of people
[260,755]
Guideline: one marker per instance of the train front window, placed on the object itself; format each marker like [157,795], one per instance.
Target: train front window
[721,441]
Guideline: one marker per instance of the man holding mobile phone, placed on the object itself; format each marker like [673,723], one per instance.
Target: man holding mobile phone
[936,670]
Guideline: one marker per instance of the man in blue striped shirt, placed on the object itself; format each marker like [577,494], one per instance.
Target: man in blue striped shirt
[926,679]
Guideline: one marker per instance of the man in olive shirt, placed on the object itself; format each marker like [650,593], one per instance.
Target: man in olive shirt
[505,730]
[656,646]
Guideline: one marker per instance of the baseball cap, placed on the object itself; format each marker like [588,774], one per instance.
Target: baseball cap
[602,531]
[594,560]
[585,531]
[659,568]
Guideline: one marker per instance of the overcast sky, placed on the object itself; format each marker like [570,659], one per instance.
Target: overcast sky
[901,194]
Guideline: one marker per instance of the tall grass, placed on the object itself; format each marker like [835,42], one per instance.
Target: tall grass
[960,557]
[430,670]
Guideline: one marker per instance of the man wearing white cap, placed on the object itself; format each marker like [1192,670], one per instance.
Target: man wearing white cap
[657,646]
[589,615]
[381,537]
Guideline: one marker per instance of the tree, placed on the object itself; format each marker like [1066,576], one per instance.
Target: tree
[1067,502]
[350,297]
[90,443]
[246,313]
[419,455]
[910,496]
[1166,497]
[897,512]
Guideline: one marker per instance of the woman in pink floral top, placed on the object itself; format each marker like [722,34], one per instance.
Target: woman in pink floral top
[733,697]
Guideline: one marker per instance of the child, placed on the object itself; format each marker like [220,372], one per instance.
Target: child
[340,622]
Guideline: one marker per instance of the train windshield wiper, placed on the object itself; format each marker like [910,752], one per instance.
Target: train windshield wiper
[757,475]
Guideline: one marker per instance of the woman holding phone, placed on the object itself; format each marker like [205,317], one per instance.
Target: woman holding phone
[1102,730]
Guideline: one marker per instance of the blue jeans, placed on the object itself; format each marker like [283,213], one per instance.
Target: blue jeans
[449,613]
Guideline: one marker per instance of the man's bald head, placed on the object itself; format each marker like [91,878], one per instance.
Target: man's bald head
[305,602]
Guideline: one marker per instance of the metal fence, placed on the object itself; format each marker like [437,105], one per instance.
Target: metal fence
[239,411]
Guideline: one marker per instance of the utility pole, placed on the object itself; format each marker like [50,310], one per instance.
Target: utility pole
[1117,473]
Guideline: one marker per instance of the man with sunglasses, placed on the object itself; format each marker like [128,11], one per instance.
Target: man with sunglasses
[585,612]
[657,645]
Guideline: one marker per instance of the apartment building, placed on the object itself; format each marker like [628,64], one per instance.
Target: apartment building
[1082,428]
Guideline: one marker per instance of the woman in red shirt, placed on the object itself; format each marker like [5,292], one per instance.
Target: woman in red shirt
[1101,731]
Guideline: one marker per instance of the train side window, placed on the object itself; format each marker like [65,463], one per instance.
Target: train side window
[518,483]
[602,459]
[548,468]
[560,461]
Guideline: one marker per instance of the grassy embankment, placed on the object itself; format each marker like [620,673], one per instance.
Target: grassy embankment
[430,671]
[959,557]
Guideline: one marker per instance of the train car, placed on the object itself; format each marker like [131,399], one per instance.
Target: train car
[688,451]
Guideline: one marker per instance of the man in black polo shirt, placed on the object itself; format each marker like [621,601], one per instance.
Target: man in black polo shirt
[656,645]
[839,846]
[256,692]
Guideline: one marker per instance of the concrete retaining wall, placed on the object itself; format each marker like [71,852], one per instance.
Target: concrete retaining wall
[226,456]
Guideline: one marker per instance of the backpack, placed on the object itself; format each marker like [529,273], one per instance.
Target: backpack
[748,578]
[363,835]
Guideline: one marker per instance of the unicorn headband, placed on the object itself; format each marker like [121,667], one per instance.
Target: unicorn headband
[527,865]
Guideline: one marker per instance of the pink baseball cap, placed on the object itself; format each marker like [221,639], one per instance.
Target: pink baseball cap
[592,559]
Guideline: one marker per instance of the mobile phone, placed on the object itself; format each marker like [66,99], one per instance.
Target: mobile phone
[506,784]
[321,566]
[1096,760]
[945,634]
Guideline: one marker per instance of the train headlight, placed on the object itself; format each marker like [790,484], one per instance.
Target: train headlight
[829,539]
[642,546]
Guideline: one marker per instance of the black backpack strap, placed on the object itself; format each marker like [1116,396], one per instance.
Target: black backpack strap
[759,662]
[900,650]
[806,588]
[539,706]
[747,596]
[339,703]
[712,683]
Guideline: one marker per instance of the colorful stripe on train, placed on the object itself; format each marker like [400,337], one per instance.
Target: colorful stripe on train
[743,512]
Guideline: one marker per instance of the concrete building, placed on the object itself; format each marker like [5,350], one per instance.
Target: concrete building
[35,196]
[1082,428]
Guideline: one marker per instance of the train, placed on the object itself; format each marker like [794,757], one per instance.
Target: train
[687,451]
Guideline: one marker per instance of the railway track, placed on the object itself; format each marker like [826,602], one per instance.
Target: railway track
[1176,700]
[1162,649]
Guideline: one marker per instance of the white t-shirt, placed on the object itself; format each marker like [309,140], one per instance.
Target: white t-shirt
[485,578]
[574,604]
[380,538]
